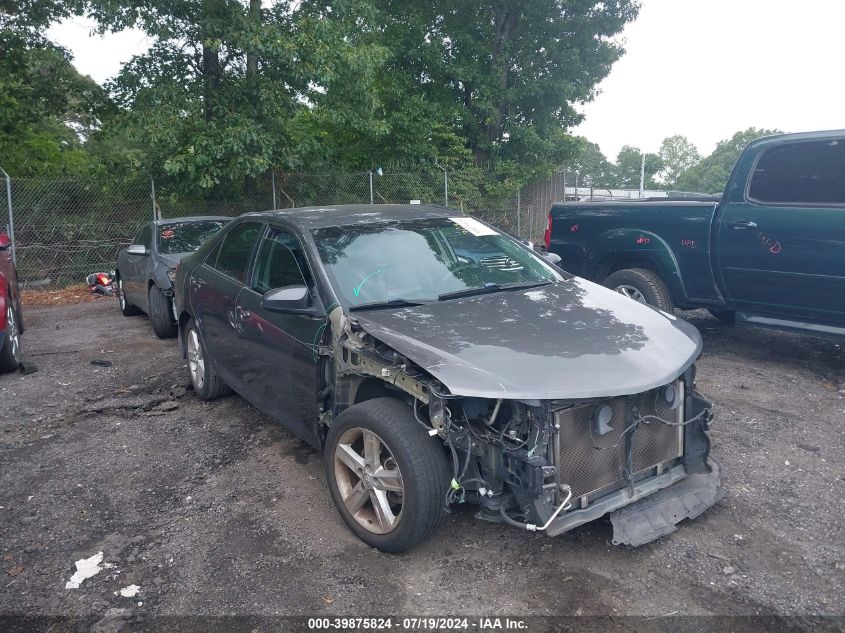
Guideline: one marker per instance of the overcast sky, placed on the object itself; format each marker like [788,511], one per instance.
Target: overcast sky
[702,68]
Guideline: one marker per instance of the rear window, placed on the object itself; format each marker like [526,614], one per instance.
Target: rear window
[811,172]
[186,237]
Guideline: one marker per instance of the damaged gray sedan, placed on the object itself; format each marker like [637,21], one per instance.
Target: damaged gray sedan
[436,361]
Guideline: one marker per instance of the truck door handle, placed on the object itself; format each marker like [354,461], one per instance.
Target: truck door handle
[742,224]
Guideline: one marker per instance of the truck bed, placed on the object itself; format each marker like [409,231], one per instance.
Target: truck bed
[670,235]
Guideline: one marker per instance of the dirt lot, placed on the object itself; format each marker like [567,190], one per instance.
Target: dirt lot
[212,509]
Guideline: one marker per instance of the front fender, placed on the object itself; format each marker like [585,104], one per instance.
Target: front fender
[629,247]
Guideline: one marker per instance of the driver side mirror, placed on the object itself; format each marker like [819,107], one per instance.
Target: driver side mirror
[287,299]
[138,249]
[5,242]
[552,258]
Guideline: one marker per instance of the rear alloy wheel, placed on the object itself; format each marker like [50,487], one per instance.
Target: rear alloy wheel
[161,314]
[11,354]
[207,384]
[642,285]
[126,308]
[387,476]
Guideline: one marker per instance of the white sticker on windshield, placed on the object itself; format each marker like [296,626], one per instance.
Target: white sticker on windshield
[474,226]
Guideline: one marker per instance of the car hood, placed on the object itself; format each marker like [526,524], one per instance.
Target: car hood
[568,340]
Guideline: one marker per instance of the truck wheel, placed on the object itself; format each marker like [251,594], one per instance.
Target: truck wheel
[387,476]
[10,354]
[161,314]
[205,381]
[126,308]
[643,285]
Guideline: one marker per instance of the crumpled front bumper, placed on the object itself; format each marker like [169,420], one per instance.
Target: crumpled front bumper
[654,509]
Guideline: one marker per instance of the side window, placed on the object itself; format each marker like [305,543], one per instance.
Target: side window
[233,255]
[144,236]
[809,172]
[280,262]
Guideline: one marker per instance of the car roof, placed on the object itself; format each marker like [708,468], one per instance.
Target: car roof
[192,218]
[346,214]
[773,139]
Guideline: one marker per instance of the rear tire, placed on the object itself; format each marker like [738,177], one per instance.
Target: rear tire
[126,308]
[161,314]
[11,354]
[407,459]
[643,285]
[205,381]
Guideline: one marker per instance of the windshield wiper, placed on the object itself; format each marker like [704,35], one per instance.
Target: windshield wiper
[488,288]
[390,303]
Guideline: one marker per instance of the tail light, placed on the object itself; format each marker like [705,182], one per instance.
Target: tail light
[547,236]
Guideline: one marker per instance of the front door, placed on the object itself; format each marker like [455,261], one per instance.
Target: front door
[782,248]
[135,282]
[280,364]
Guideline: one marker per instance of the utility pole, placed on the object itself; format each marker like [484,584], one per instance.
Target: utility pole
[445,183]
[642,176]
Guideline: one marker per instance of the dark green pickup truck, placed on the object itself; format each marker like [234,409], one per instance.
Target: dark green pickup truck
[770,251]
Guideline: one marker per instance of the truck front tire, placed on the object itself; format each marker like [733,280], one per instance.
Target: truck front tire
[643,285]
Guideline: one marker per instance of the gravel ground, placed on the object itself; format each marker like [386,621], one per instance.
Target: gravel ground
[212,509]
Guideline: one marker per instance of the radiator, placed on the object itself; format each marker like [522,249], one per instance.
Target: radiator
[591,463]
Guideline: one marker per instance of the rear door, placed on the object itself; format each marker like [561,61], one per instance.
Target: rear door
[214,291]
[279,365]
[782,248]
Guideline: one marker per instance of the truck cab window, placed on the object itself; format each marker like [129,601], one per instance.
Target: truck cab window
[808,172]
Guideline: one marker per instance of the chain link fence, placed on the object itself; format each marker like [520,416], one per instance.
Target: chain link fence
[67,229]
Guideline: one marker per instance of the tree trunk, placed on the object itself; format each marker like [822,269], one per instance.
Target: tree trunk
[505,23]
[211,70]
[250,188]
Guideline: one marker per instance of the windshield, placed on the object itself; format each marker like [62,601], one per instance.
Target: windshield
[186,237]
[421,260]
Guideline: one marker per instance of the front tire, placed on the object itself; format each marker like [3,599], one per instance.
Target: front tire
[161,314]
[205,381]
[11,355]
[126,308]
[387,476]
[642,285]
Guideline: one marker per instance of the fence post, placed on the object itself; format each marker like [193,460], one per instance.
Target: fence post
[153,196]
[273,180]
[370,174]
[11,215]
[518,212]
[445,183]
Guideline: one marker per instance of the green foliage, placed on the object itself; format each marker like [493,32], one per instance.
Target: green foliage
[47,108]
[711,174]
[629,165]
[678,155]
[592,166]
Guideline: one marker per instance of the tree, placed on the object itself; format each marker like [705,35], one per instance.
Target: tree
[498,77]
[629,165]
[678,155]
[711,174]
[47,109]
[592,166]
[229,89]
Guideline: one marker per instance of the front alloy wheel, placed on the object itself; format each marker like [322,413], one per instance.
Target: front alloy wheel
[388,477]
[369,480]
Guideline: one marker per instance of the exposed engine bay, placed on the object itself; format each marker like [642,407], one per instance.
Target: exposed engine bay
[543,465]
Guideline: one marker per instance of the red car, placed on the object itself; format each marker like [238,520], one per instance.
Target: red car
[11,325]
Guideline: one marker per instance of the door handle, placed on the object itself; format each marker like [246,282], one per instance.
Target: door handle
[742,224]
